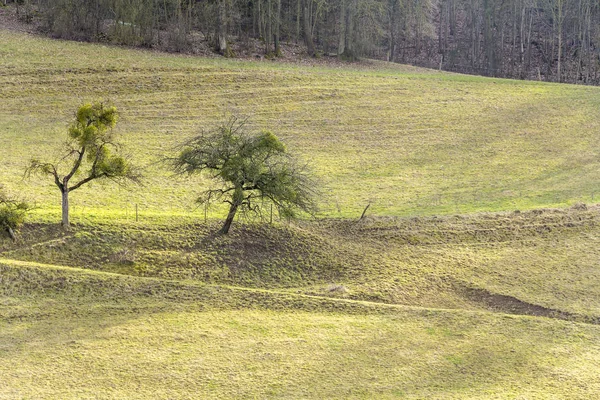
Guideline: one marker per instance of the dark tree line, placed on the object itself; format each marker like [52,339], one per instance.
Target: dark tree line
[555,40]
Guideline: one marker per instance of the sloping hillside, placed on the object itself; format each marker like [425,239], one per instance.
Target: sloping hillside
[422,298]
[542,262]
[409,141]
[71,334]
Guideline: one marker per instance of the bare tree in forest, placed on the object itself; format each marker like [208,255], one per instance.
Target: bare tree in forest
[307,28]
[278,29]
[221,36]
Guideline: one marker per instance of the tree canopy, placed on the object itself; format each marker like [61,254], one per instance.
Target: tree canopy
[249,169]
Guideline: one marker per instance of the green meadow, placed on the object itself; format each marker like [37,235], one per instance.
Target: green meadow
[473,276]
[406,140]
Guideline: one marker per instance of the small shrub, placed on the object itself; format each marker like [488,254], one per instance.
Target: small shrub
[12,214]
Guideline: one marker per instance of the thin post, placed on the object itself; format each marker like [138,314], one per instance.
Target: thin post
[205,212]
[364,212]
[136,212]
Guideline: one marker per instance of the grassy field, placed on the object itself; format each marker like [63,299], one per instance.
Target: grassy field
[463,282]
[544,259]
[73,334]
[409,141]
[490,306]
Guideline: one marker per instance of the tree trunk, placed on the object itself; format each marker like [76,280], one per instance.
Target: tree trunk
[560,34]
[65,209]
[230,216]
[259,19]
[97,20]
[310,46]
[451,18]
[528,52]
[222,28]
[589,46]
[11,233]
[298,12]
[349,53]
[442,32]
[269,28]
[488,38]
[392,27]
[342,37]
[392,49]
[277,29]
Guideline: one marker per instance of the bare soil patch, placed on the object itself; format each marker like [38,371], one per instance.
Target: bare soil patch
[511,305]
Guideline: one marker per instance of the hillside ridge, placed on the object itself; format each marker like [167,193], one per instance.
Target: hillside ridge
[498,303]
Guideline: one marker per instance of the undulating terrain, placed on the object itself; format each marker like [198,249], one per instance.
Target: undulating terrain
[473,275]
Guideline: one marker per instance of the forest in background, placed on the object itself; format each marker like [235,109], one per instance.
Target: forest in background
[550,40]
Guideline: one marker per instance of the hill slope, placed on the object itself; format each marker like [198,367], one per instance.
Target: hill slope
[542,262]
[407,140]
[387,307]
[72,334]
